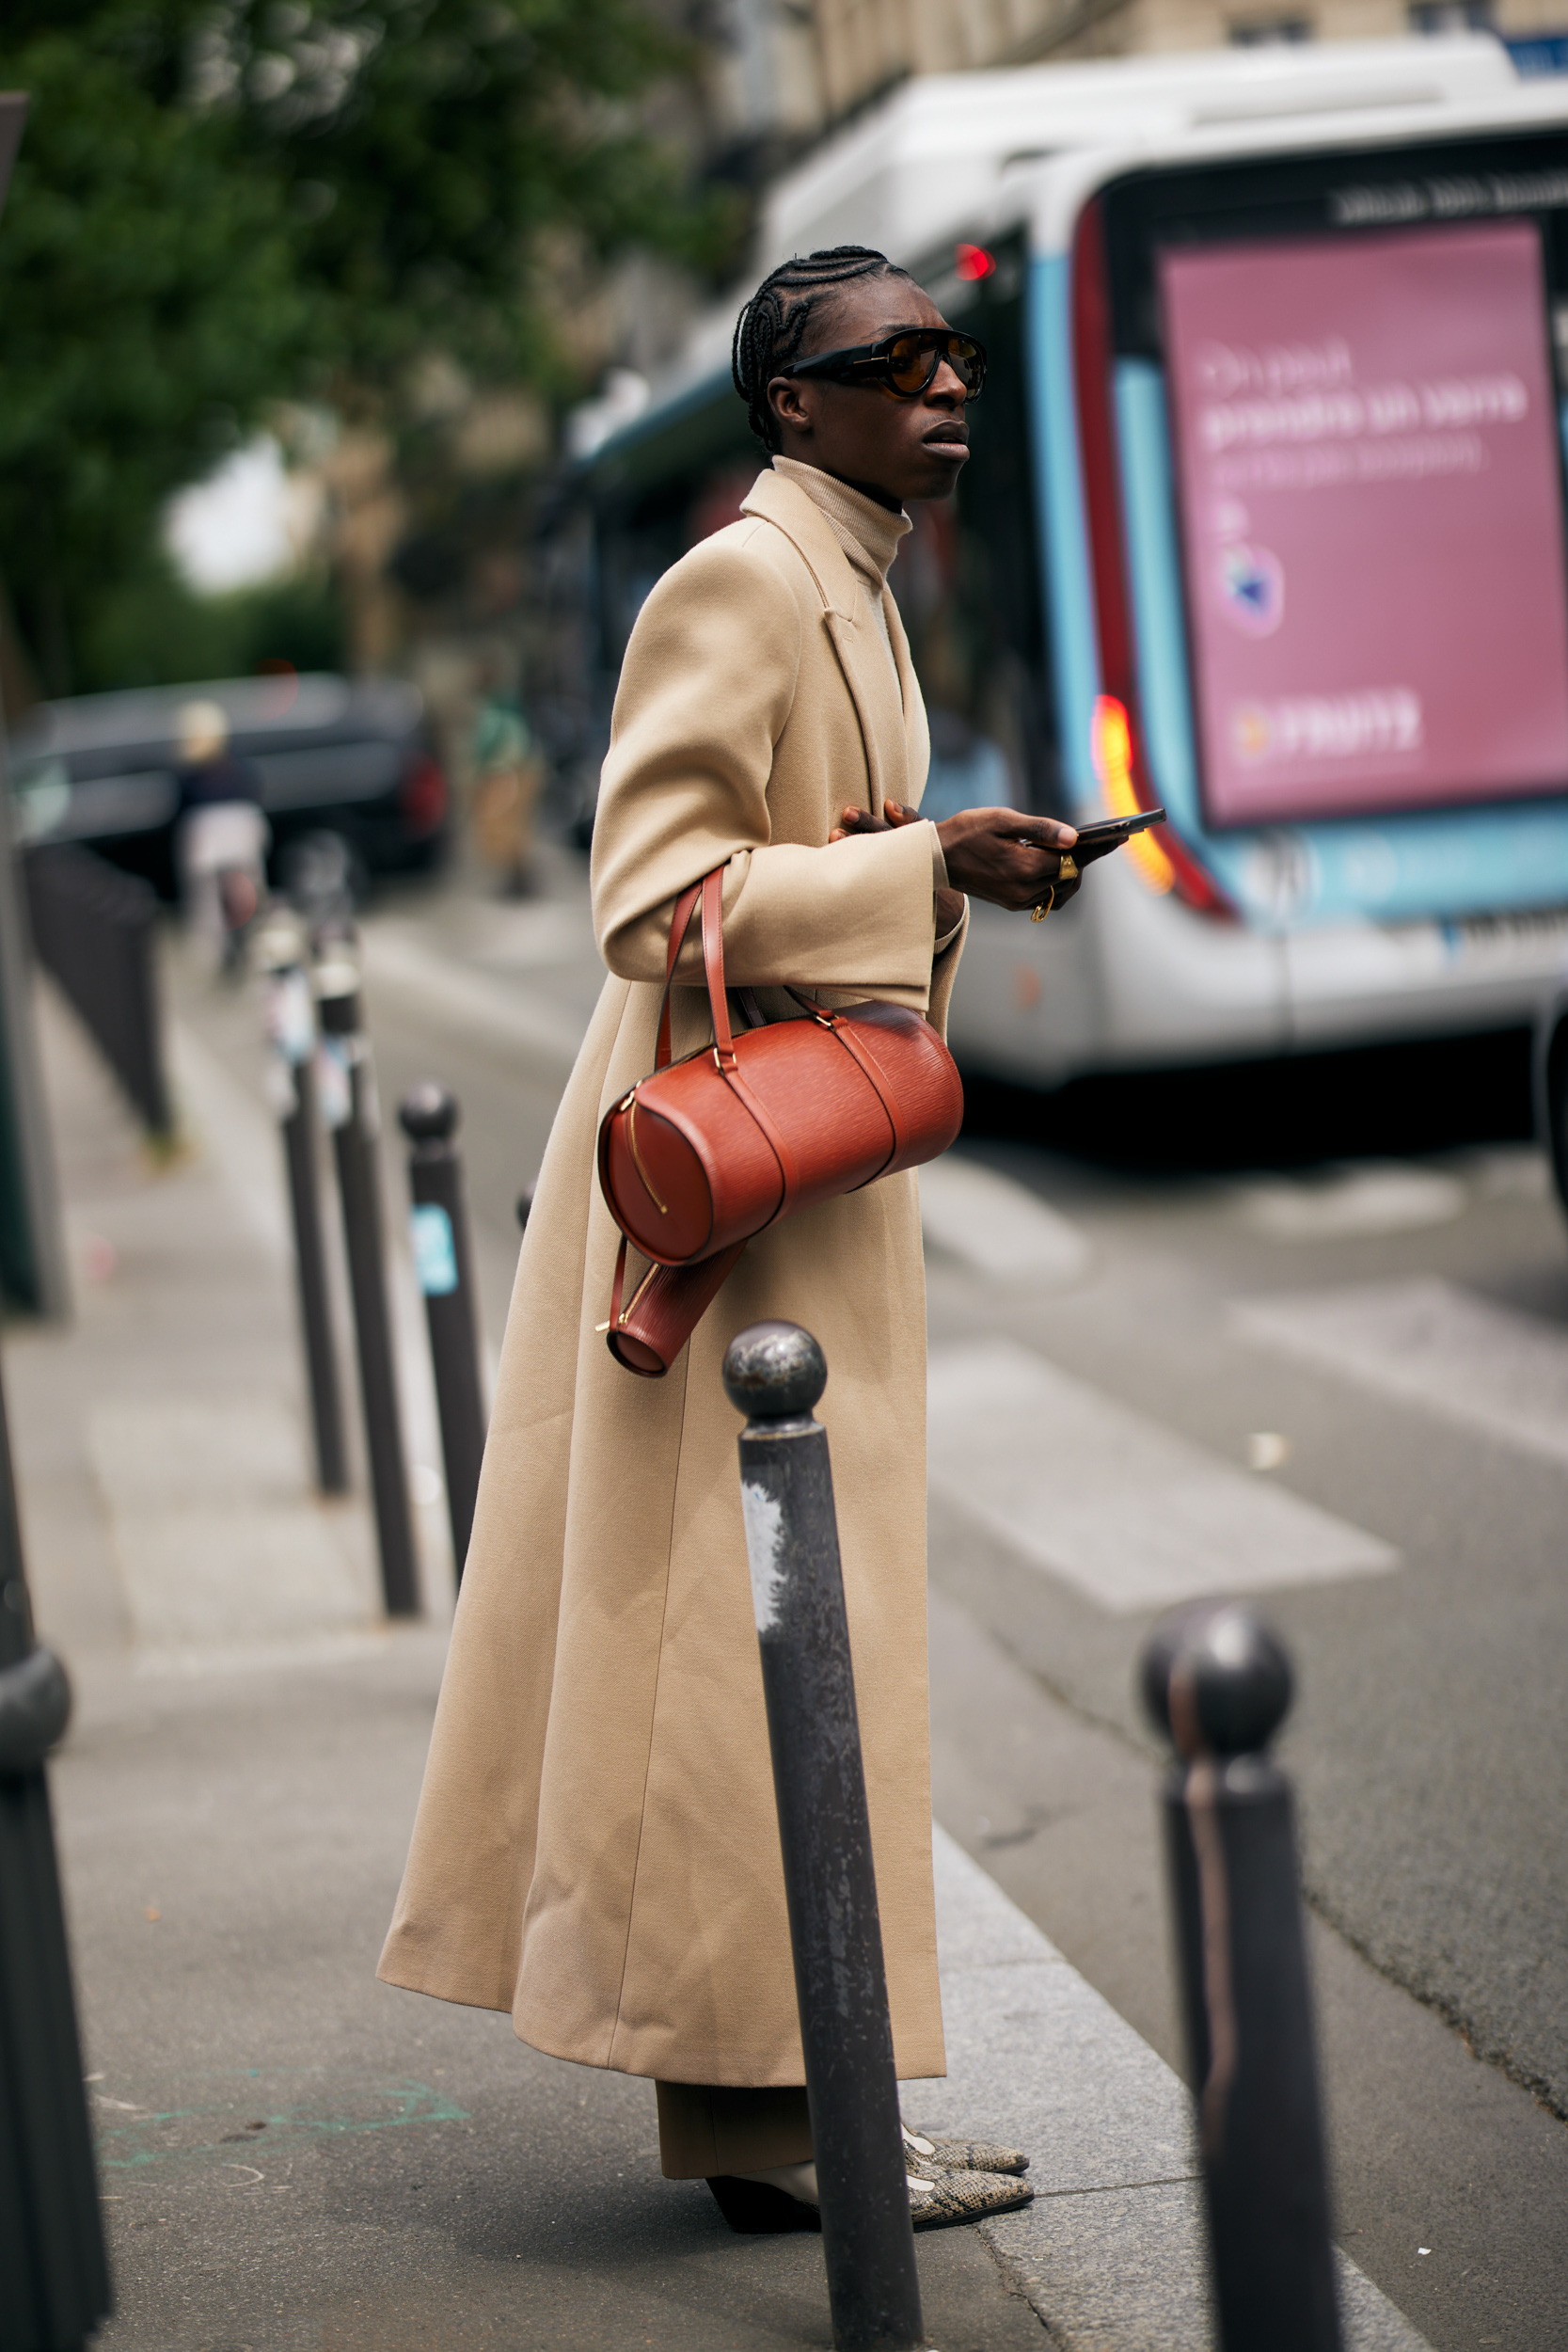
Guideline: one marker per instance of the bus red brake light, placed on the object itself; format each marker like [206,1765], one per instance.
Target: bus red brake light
[972,262]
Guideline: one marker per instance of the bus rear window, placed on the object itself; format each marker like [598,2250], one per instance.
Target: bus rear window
[1370,485]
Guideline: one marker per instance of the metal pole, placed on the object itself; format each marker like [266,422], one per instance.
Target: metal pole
[291,1022]
[349,1107]
[53,2272]
[1219,1684]
[444,1262]
[774,1372]
[32,1238]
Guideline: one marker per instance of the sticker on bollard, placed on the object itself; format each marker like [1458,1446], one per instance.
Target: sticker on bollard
[775,1372]
[291,1015]
[334,1083]
[429,1117]
[434,1251]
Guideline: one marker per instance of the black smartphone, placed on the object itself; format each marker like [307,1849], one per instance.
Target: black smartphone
[1109,833]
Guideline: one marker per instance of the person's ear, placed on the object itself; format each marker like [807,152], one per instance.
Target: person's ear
[791,402]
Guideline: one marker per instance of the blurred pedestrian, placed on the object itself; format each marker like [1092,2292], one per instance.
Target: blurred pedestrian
[596,1849]
[508,773]
[223,836]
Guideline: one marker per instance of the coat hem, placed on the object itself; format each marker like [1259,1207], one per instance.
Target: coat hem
[670,2066]
[409,1982]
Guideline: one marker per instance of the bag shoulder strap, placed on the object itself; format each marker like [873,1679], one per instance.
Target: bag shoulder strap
[710,893]
[680,923]
[713,965]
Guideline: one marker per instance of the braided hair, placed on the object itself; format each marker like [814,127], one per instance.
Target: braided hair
[770,329]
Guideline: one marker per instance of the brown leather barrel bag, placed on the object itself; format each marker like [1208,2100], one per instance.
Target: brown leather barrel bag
[705,1151]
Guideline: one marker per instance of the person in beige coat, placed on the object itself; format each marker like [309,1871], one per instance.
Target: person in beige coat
[596,1849]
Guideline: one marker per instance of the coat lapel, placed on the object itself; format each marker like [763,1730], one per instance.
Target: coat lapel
[917,734]
[883,732]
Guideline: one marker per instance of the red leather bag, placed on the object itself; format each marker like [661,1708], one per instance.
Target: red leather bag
[649,1331]
[704,1153]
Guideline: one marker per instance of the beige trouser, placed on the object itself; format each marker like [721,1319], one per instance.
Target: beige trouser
[705,2130]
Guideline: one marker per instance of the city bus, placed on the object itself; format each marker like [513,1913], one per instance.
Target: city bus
[1264,523]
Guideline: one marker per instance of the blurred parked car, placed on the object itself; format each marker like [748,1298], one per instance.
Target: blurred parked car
[349,759]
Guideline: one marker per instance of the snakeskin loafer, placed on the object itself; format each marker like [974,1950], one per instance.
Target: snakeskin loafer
[943,2200]
[938,2199]
[960,2156]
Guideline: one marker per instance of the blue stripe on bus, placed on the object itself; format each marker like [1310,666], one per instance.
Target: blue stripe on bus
[1058,477]
[1154,576]
[1386,870]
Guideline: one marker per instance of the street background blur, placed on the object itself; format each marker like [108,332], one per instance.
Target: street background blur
[360,367]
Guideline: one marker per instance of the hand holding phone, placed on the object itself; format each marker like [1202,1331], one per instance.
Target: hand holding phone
[1111,833]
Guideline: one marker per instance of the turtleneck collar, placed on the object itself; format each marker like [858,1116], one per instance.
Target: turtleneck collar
[868,534]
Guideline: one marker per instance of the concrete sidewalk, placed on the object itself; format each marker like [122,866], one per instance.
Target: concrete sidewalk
[294,2155]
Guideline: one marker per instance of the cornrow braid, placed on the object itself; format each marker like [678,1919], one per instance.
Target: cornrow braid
[770,329]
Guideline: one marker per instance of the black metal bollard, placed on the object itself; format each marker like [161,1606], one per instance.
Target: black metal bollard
[291,1022]
[444,1262]
[1219,1684]
[774,1372]
[53,2272]
[349,1110]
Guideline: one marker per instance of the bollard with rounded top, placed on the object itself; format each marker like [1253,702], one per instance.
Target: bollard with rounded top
[443,1261]
[53,2271]
[774,1372]
[347,1086]
[1218,1684]
[290,1025]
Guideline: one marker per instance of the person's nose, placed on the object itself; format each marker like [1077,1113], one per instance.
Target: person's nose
[946,390]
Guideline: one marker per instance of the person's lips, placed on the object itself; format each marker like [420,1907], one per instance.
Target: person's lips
[948,439]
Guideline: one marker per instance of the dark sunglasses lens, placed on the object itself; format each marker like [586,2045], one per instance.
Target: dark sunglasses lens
[911,364]
[968,363]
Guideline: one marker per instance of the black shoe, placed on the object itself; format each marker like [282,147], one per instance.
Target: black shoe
[756,2208]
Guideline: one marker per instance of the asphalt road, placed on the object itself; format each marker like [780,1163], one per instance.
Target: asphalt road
[1314,1316]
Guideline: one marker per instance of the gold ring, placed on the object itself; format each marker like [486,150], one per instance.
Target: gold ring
[1037,915]
[1069,868]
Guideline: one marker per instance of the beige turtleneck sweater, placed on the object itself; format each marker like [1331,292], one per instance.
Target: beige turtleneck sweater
[869,536]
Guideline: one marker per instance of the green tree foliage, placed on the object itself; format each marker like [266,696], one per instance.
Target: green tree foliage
[148,301]
[431,148]
[223,202]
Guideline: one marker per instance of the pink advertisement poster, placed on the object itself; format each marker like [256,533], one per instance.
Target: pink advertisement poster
[1366,447]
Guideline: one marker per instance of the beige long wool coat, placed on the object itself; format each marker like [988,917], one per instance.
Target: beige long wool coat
[596,1849]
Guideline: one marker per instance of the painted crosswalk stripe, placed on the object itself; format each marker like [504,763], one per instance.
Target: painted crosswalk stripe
[1110,1502]
[1429,1343]
[996,1225]
[1343,1201]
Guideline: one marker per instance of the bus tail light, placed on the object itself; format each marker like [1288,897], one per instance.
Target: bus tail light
[1113,765]
[1162,861]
